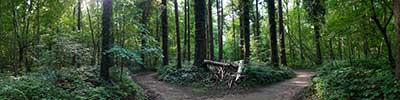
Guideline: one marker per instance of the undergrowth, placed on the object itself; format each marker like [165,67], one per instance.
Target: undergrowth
[355,80]
[201,79]
[68,84]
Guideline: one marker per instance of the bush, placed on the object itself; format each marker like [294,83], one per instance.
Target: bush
[262,75]
[68,84]
[187,75]
[255,75]
[360,80]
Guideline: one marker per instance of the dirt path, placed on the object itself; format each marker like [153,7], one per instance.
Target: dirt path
[285,90]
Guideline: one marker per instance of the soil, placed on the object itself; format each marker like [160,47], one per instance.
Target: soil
[291,89]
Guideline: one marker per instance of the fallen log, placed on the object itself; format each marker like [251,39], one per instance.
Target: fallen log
[222,64]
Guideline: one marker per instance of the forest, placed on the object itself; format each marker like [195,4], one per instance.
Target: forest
[199,49]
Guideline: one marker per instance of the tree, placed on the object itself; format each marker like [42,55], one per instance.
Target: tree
[178,37]
[164,29]
[210,30]
[79,25]
[145,14]
[281,34]
[200,30]
[396,9]
[220,30]
[383,29]
[107,41]
[316,12]
[272,32]
[15,37]
[245,27]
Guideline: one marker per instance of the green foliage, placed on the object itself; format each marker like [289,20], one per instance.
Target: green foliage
[68,84]
[187,75]
[364,80]
[262,75]
[198,77]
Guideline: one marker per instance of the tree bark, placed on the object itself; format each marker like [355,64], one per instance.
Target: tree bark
[189,29]
[317,38]
[164,29]
[186,30]
[178,37]
[210,30]
[14,45]
[281,34]
[219,22]
[272,34]
[94,43]
[200,30]
[107,41]
[79,15]
[396,9]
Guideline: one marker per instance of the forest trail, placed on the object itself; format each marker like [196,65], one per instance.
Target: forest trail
[286,90]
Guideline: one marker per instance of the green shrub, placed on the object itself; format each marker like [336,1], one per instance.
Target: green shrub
[359,81]
[198,77]
[262,75]
[68,84]
[187,75]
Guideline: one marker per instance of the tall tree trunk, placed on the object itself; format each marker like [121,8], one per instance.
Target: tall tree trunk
[318,44]
[79,15]
[186,29]
[145,14]
[234,32]
[178,35]
[396,10]
[246,28]
[189,31]
[272,34]
[220,29]
[200,29]
[107,41]
[210,30]
[164,29]
[300,31]
[93,37]
[281,34]
[15,37]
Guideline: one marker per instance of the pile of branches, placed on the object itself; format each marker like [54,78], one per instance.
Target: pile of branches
[225,72]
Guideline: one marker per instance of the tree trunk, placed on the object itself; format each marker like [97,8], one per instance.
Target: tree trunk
[200,30]
[107,41]
[281,34]
[219,22]
[93,37]
[79,15]
[14,46]
[186,30]
[188,34]
[210,30]
[164,29]
[246,28]
[145,14]
[300,31]
[178,35]
[317,38]
[396,10]
[272,34]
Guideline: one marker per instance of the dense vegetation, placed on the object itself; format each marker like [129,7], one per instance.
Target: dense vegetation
[89,49]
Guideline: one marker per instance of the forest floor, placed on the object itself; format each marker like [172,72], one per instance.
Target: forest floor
[289,89]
